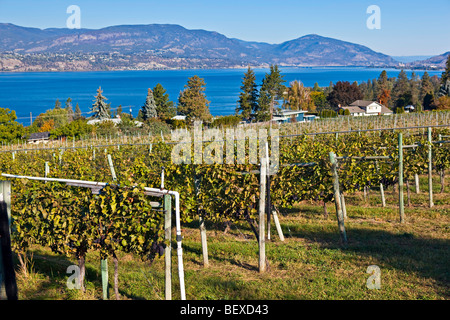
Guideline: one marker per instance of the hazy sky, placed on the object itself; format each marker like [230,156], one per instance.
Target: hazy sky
[407,27]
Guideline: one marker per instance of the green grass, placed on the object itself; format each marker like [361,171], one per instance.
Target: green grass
[310,264]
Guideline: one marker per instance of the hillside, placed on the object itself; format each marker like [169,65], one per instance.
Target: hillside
[167,46]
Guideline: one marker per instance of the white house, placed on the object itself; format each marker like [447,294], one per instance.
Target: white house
[286,116]
[367,108]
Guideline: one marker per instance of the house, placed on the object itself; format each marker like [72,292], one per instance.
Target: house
[289,116]
[179,117]
[39,137]
[367,108]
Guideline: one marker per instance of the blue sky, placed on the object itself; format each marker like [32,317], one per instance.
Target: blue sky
[407,27]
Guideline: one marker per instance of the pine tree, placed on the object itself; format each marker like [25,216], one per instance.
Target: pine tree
[272,89]
[248,98]
[444,89]
[68,107]
[164,107]
[149,108]
[402,90]
[77,112]
[100,108]
[192,101]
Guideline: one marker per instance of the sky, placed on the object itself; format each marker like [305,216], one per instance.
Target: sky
[406,28]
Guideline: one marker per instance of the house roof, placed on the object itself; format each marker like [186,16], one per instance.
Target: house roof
[362,103]
[354,109]
[287,112]
[39,135]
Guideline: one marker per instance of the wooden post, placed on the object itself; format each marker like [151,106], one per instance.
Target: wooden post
[337,198]
[401,203]
[277,225]
[262,218]
[168,248]
[430,170]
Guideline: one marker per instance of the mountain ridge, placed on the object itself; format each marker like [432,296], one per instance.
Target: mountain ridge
[161,46]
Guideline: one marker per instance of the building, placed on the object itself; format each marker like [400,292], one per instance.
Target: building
[39,137]
[289,116]
[367,108]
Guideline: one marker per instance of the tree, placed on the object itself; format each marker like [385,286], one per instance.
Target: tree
[164,107]
[248,98]
[401,89]
[192,101]
[343,94]
[78,114]
[59,116]
[319,100]
[442,103]
[100,109]
[47,126]
[414,84]
[383,89]
[149,108]
[298,97]
[10,129]
[272,89]
[68,107]
[444,89]
[57,104]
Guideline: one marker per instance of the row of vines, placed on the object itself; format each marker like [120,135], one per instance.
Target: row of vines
[73,221]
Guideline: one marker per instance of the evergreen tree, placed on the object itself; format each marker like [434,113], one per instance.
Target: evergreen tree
[272,89]
[414,89]
[248,98]
[57,104]
[77,112]
[444,89]
[316,88]
[68,107]
[149,108]
[100,109]
[192,101]
[401,90]
[164,107]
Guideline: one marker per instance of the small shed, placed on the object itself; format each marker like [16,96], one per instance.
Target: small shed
[39,137]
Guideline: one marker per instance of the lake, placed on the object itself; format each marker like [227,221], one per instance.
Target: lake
[37,92]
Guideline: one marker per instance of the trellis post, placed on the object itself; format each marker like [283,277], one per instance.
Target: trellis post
[430,170]
[168,249]
[401,203]
[337,198]
[262,216]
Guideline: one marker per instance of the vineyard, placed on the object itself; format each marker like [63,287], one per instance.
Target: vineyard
[120,219]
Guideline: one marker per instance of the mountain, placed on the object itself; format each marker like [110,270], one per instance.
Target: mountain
[408,59]
[435,62]
[167,46]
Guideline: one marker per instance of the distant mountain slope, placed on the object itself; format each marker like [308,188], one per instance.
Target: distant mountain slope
[433,62]
[165,44]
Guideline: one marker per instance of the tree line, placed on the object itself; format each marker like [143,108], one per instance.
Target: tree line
[256,103]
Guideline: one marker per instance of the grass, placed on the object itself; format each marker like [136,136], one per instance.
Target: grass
[310,264]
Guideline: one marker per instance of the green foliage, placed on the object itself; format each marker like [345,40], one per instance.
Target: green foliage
[149,108]
[164,107]
[100,109]
[226,121]
[192,101]
[76,128]
[271,90]
[10,130]
[248,98]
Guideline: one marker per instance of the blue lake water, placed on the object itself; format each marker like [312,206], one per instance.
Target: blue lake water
[37,92]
